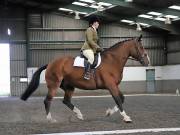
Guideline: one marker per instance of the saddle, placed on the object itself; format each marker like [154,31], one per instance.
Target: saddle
[81,61]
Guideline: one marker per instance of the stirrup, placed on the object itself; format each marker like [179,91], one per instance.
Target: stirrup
[87,76]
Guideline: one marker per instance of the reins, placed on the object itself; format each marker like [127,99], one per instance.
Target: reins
[131,58]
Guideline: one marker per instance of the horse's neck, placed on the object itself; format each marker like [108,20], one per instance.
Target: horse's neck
[117,58]
[122,53]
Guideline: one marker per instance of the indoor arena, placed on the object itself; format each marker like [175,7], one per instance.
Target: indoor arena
[90,67]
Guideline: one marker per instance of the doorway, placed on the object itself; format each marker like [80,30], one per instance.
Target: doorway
[4,70]
[150,80]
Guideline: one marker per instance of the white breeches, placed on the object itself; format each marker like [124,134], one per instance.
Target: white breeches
[89,54]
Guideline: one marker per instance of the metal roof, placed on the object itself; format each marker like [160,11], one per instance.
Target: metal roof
[135,11]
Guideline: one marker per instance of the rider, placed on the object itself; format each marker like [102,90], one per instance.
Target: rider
[91,46]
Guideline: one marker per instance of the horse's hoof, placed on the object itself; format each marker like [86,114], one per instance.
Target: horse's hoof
[78,113]
[127,120]
[130,121]
[108,112]
[52,120]
[80,117]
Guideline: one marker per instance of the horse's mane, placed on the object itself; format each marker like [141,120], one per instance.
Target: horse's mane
[116,45]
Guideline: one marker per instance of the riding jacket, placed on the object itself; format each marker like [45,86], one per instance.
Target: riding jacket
[91,41]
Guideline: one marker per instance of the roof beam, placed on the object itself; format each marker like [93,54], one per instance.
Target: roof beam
[142,9]
[171,28]
[121,3]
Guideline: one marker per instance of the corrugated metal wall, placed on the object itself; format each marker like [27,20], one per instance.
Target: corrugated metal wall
[173,50]
[15,21]
[154,44]
[57,36]
[51,35]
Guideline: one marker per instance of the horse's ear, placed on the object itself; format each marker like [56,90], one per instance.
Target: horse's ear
[139,38]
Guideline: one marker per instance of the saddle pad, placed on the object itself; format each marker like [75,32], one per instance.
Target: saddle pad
[79,62]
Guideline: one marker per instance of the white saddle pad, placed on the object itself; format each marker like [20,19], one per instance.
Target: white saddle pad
[79,62]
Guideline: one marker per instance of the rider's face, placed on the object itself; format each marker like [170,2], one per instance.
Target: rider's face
[96,25]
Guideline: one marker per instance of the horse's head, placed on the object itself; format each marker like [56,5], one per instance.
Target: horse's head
[139,53]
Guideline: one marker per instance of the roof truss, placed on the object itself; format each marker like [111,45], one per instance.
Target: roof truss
[173,29]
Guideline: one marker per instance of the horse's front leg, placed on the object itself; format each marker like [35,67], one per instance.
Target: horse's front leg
[111,111]
[118,101]
[118,98]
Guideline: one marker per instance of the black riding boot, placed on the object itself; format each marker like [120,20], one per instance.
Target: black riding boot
[87,73]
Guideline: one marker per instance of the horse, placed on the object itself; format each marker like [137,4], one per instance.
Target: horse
[60,72]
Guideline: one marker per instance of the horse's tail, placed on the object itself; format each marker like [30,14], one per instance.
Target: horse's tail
[33,84]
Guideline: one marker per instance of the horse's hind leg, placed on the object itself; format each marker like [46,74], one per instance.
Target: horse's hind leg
[52,90]
[67,101]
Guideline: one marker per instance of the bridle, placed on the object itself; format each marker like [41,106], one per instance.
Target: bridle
[140,57]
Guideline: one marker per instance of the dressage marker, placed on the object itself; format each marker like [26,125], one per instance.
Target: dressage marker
[130,131]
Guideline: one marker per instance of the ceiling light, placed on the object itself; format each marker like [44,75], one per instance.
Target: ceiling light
[160,19]
[154,13]
[176,19]
[8,32]
[168,20]
[100,8]
[84,13]
[104,4]
[88,1]
[80,4]
[138,27]
[128,0]
[94,6]
[65,9]
[175,7]
[171,16]
[127,21]
[145,16]
[77,15]
[145,24]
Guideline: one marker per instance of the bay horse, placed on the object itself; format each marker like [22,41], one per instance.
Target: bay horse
[61,73]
